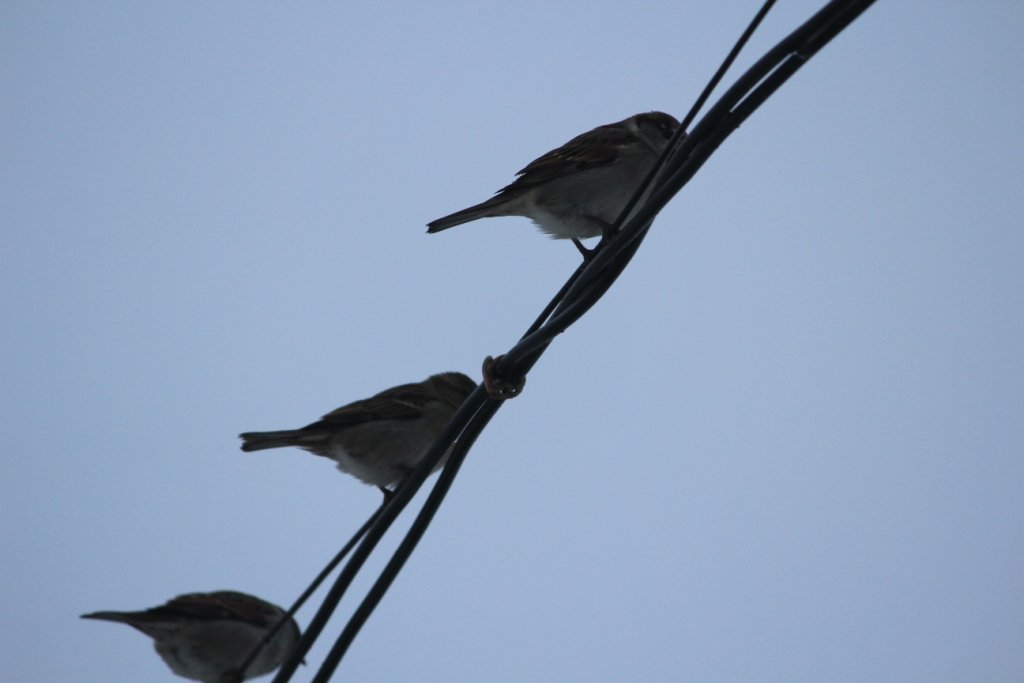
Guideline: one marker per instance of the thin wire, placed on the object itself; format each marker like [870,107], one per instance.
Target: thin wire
[696,107]
[386,517]
[580,281]
[408,544]
[755,22]
[750,90]
[301,600]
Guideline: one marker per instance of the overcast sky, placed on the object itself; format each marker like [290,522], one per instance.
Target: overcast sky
[787,446]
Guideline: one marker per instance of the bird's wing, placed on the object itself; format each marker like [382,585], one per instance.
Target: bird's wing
[404,402]
[598,147]
[219,605]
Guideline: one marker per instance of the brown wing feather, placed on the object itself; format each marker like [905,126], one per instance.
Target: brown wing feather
[404,402]
[213,606]
[596,147]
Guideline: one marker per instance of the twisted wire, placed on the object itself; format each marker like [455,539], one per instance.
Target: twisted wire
[684,156]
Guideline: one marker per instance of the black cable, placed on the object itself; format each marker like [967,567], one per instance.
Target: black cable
[408,544]
[749,92]
[386,517]
[301,600]
[685,157]
[696,107]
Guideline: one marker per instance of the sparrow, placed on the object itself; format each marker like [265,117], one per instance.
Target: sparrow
[579,189]
[208,636]
[381,439]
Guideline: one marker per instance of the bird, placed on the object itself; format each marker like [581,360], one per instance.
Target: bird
[578,190]
[379,440]
[208,636]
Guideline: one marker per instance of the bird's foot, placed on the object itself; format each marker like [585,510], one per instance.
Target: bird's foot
[586,253]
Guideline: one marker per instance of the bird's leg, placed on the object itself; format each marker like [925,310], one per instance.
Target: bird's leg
[607,232]
[389,493]
[587,253]
[498,388]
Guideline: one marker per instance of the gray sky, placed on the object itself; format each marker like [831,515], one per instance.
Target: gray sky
[787,446]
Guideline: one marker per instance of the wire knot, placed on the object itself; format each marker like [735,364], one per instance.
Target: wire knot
[500,388]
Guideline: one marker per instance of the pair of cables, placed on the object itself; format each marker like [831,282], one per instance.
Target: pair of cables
[683,157]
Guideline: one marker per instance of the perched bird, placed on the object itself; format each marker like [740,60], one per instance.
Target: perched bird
[379,440]
[579,189]
[208,636]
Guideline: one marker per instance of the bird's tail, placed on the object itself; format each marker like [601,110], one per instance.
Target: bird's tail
[257,441]
[121,617]
[482,210]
